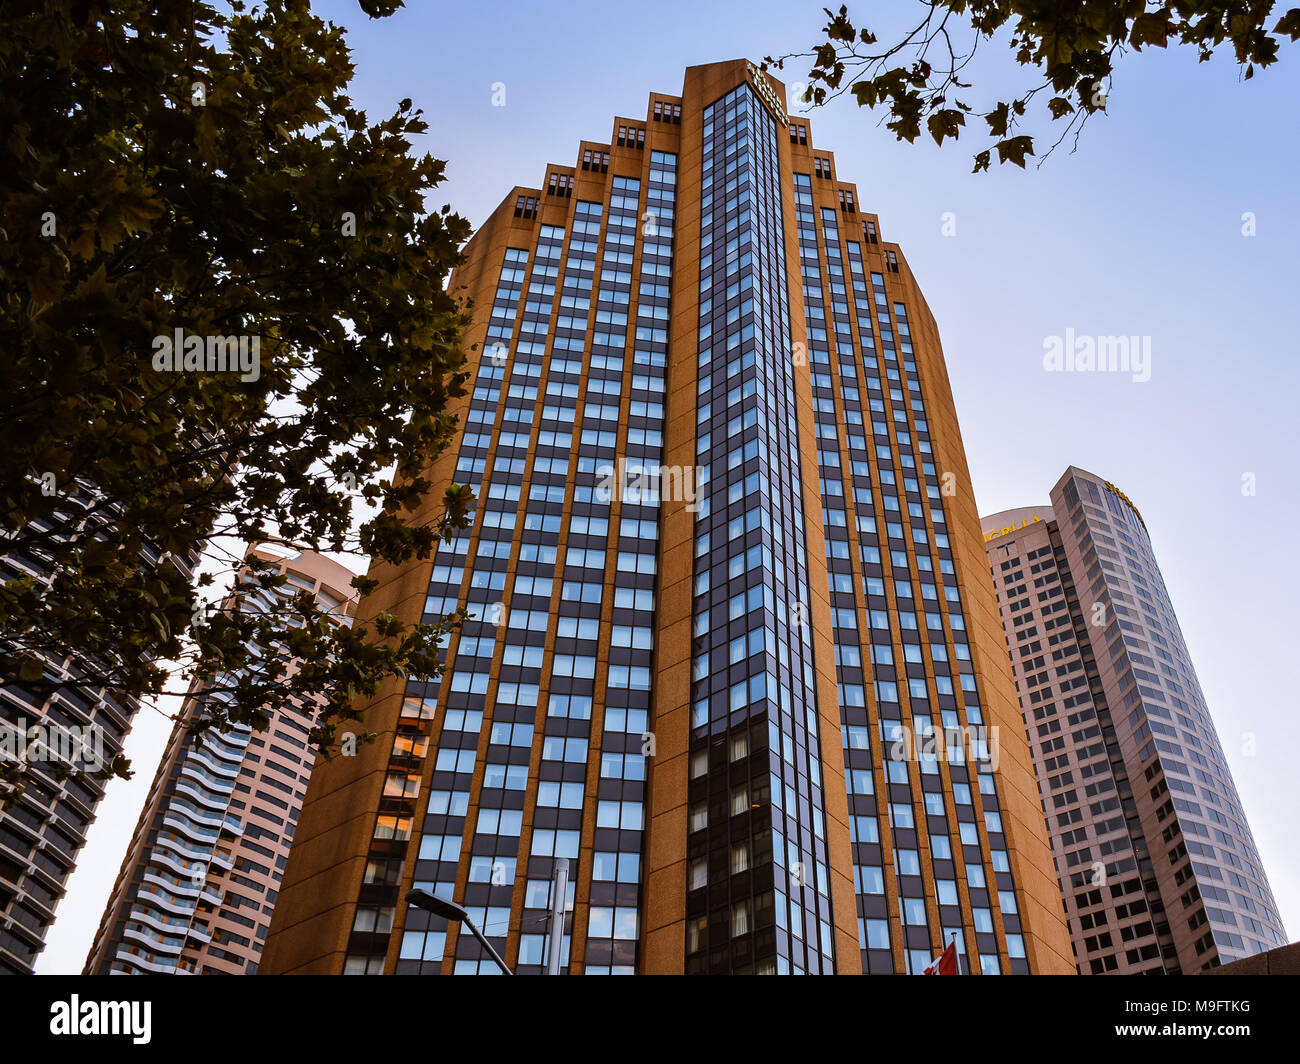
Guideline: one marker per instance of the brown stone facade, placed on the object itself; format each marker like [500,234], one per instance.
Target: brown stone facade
[329,884]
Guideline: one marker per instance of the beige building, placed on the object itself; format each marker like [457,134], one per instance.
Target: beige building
[1157,867]
[202,874]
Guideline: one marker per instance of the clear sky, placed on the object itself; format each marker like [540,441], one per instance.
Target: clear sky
[1137,233]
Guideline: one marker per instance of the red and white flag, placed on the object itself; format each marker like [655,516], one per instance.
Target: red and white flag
[945,963]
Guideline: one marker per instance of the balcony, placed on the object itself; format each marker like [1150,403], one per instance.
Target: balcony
[159,919]
[207,817]
[164,944]
[182,823]
[203,793]
[138,957]
[182,863]
[156,887]
[210,760]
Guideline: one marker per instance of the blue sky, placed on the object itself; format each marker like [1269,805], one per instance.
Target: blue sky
[1138,232]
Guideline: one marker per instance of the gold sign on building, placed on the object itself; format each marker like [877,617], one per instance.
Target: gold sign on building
[1008,529]
[1124,498]
[768,93]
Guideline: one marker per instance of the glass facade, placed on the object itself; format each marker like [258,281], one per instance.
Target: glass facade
[1156,862]
[918,769]
[647,683]
[78,727]
[549,681]
[757,864]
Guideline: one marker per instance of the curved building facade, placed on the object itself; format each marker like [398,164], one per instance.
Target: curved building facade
[1157,866]
[59,733]
[200,879]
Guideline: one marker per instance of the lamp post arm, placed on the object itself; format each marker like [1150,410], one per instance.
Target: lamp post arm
[488,946]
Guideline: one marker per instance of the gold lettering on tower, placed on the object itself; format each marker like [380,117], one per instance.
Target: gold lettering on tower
[767,93]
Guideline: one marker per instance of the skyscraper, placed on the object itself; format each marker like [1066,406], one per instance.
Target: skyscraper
[200,878]
[1157,866]
[59,732]
[727,584]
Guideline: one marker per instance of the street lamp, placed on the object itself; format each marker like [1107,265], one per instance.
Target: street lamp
[450,911]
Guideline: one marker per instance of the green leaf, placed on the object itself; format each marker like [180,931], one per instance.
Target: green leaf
[1059,106]
[865,93]
[945,123]
[1014,150]
[997,120]
[1289,24]
[1150,28]
[380,8]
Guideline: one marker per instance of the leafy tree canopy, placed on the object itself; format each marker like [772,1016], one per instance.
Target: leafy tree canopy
[195,174]
[915,79]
